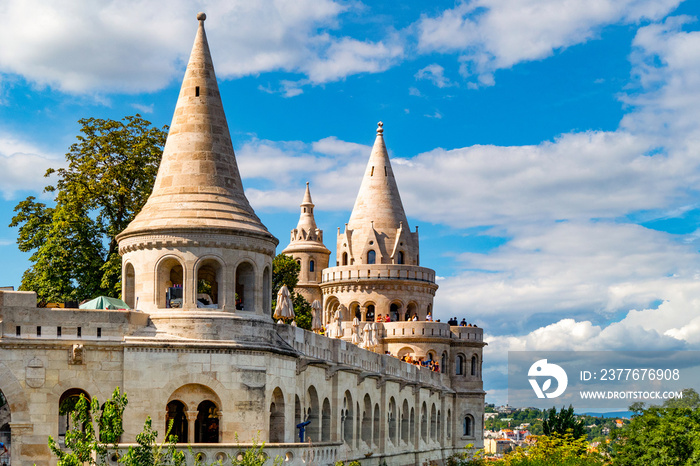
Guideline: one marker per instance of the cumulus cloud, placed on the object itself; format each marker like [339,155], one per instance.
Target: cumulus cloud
[435,74]
[138,46]
[493,34]
[23,166]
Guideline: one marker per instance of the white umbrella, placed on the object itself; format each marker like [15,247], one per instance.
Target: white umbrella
[356,338]
[284,308]
[374,341]
[315,314]
[366,341]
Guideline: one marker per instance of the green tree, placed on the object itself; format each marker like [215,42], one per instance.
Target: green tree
[667,435]
[563,422]
[285,271]
[109,176]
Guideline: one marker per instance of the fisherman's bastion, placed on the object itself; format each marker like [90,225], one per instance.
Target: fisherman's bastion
[228,373]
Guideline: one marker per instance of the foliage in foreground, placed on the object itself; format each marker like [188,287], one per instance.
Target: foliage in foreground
[86,447]
[109,176]
[563,423]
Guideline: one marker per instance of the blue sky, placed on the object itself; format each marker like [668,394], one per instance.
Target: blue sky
[548,150]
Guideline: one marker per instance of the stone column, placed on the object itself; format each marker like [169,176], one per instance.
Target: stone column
[191,418]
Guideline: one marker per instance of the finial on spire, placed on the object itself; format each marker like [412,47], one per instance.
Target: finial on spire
[380,128]
[201,16]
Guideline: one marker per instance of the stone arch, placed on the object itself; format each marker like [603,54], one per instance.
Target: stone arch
[395,310]
[346,418]
[404,422]
[439,426]
[460,361]
[203,411]
[245,286]
[209,280]
[14,395]
[405,351]
[129,288]
[412,424]
[411,310]
[277,416]
[370,310]
[431,355]
[433,423]
[176,413]
[298,415]
[171,277]
[468,426]
[267,290]
[391,420]
[313,414]
[366,433]
[371,257]
[400,258]
[326,421]
[332,303]
[66,405]
[424,422]
[355,311]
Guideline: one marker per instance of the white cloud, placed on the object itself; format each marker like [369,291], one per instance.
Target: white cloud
[435,74]
[23,167]
[137,46]
[497,34]
[595,270]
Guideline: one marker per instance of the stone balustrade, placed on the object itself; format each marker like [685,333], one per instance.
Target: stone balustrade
[378,272]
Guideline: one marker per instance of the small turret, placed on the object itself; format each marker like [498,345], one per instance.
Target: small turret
[307,248]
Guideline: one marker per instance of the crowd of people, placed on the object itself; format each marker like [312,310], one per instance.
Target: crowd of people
[429,364]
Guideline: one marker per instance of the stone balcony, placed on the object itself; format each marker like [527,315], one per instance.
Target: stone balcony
[377,272]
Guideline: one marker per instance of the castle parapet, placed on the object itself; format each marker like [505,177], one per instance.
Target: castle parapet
[378,272]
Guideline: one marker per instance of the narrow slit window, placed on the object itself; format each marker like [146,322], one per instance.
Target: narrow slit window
[99,332]
[18,330]
[38,331]
[372,172]
[196,91]
[58,331]
[80,332]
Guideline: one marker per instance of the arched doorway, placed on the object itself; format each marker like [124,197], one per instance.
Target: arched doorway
[175,413]
[209,284]
[66,405]
[169,279]
[326,421]
[313,415]
[277,417]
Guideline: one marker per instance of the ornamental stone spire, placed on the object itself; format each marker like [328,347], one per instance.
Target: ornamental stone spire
[378,221]
[198,183]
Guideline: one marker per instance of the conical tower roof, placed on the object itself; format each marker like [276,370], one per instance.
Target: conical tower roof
[379,201]
[198,184]
[306,236]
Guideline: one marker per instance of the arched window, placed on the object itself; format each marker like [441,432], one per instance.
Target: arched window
[346,419]
[475,363]
[459,365]
[433,423]
[206,427]
[394,312]
[375,425]
[326,421]
[313,430]
[345,258]
[311,266]
[399,259]
[209,283]
[297,415]
[66,406]
[245,287]
[468,426]
[391,419]
[175,413]
[369,317]
[371,257]
[129,285]
[169,279]
[424,423]
[449,424]
[443,363]
[366,432]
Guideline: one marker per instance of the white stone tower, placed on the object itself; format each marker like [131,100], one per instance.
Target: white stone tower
[307,248]
[197,230]
[378,270]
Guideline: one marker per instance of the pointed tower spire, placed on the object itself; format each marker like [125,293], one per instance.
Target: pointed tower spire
[198,183]
[307,222]
[379,200]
